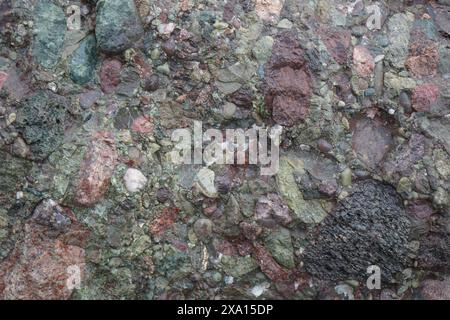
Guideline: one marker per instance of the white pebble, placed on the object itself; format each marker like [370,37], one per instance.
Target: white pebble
[134,180]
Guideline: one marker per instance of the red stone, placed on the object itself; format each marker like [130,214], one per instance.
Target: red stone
[164,221]
[44,262]
[110,75]
[424,96]
[288,84]
[337,42]
[268,265]
[363,61]
[143,124]
[424,59]
[97,169]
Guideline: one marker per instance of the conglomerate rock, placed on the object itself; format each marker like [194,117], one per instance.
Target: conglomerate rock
[93,95]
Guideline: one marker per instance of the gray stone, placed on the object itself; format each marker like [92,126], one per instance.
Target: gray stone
[49,33]
[118,25]
[83,61]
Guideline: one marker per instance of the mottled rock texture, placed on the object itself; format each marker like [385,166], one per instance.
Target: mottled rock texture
[369,227]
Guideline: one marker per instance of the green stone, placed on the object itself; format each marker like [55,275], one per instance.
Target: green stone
[279,244]
[83,61]
[49,33]
[118,25]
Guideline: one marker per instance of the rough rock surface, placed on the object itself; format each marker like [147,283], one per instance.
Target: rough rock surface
[89,113]
[369,227]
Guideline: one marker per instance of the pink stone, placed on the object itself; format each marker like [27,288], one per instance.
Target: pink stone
[363,61]
[97,169]
[110,75]
[3,77]
[424,96]
[50,259]
[143,124]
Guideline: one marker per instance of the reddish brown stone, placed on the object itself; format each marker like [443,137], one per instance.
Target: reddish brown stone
[287,88]
[44,262]
[144,69]
[143,124]
[270,210]
[363,61]
[436,290]
[97,169]
[164,221]
[268,265]
[110,75]
[424,58]
[371,141]
[250,230]
[337,42]
[424,96]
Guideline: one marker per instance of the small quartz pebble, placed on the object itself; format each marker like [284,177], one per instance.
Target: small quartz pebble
[134,180]
[166,28]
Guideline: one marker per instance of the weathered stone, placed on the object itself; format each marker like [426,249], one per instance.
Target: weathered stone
[203,228]
[3,77]
[118,26]
[369,227]
[83,61]
[433,252]
[363,61]
[399,26]
[270,210]
[268,265]
[279,244]
[436,289]
[337,42]
[205,181]
[110,75]
[49,33]
[269,10]
[424,96]
[308,211]
[371,141]
[424,60]
[50,260]
[288,90]
[97,169]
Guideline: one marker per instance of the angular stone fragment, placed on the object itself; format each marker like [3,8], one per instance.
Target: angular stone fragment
[369,227]
[363,61]
[371,141]
[42,121]
[49,262]
[399,26]
[49,33]
[279,244]
[97,169]
[436,289]
[268,265]
[110,75]
[287,89]
[424,96]
[83,60]
[118,25]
